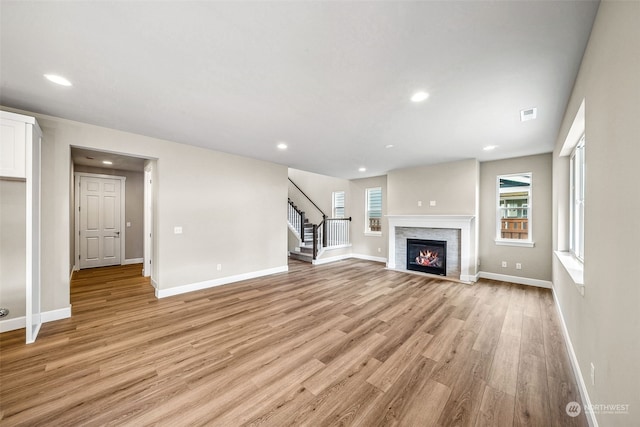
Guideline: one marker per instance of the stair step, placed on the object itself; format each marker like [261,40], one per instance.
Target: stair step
[301,256]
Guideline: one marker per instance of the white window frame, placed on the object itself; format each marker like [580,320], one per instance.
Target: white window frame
[367,229]
[334,205]
[499,240]
[576,200]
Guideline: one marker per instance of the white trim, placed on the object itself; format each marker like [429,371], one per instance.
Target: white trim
[574,268]
[321,261]
[47,316]
[330,248]
[154,284]
[177,290]
[133,261]
[516,279]
[53,315]
[7,325]
[148,218]
[514,242]
[369,258]
[582,387]
[528,242]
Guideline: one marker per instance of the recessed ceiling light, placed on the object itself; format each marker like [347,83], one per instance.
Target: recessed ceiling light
[388,146]
[528,114]
[57,79]
[490,147]
[107,162]
[363,169]
[282,146]
[419,96]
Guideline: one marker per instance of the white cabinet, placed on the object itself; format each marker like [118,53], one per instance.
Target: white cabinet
[16,132]
[20,160]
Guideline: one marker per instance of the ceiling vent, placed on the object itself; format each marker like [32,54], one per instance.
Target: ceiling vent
[528,114]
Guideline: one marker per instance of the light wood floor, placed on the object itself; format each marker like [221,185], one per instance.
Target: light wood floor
[347,343]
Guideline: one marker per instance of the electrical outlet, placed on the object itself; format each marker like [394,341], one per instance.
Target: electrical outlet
[177,230]
[504,264]
[379,250]
[518,266]
[419,203]
[432,202]
[593,374]
[219,267]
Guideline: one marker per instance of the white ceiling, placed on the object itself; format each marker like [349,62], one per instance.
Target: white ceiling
[331,79]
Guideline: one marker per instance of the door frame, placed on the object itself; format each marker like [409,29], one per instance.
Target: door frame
[77,176]
[148,218]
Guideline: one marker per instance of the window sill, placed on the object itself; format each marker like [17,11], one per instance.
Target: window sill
[522,244]
[574,268]
[373,233]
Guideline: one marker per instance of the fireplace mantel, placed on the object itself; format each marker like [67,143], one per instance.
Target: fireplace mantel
[464,223]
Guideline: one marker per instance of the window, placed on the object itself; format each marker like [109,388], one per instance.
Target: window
[576,205]
[337,204]
[514,210]
[373,220]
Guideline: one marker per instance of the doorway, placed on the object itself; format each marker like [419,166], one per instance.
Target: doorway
[134,237]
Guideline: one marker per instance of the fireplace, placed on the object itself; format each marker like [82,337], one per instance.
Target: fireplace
[427,256]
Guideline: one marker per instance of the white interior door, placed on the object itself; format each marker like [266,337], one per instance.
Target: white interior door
[100,220]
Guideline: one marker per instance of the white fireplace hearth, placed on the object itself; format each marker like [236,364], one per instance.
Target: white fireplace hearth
[459,230]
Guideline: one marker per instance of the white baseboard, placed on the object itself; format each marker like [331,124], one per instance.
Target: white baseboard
[321,261]
[369,258]
[46,316]
[133,261]
[177,290]
[516,279]
[582,386]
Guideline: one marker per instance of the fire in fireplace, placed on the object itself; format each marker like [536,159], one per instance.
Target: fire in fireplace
[427,256]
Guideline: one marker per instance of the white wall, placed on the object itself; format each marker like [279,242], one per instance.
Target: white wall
[536,262]
[13,240]
[232,209]
[453,186]
[604,324]
[367,244]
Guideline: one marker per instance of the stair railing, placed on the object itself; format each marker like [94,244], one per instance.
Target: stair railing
[296,219]
[337,232]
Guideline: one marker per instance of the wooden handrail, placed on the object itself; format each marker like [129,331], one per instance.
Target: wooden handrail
[307,197]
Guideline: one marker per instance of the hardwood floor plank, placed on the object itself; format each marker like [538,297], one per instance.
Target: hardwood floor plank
[384,377]
[504,369]
[532,405]
[441,343]
[496,409]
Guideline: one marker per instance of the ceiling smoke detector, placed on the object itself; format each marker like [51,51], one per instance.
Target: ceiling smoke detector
[528,114]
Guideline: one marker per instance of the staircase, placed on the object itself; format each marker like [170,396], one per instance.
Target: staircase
[315,238]
[305,251]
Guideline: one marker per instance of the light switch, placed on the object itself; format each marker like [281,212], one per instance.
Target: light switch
[177,230]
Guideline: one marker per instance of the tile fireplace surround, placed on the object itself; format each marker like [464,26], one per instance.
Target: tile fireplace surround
[464,223]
